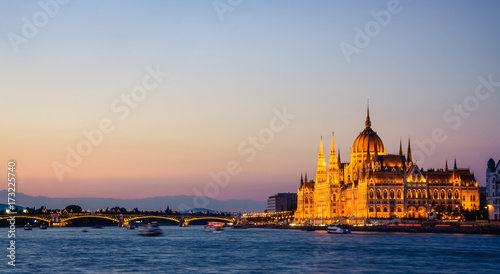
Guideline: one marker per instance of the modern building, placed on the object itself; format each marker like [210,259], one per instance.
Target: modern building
[281,202]
[493,189]
[374,184]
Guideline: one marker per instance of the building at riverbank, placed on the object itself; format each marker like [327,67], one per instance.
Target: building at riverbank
[493,189]
[374,184]
[281,202]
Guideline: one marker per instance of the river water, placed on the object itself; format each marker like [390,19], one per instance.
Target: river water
[190,249]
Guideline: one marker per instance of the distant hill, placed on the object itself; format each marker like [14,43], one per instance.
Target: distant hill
[181,202]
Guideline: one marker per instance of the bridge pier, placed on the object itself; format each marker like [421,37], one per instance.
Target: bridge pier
[120,221]
[183,222]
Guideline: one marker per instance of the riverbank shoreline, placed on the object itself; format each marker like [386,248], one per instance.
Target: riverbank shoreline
[442,228]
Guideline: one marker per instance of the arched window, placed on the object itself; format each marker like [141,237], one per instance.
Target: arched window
[419,194]
[371,193]
[473,198]
[449,194]
[307,201]
[371,208]
[457,195]
[378,194]
[399,209]
[385,209]
[399,194]
[385,193]
[378,209]
[414,194]
[436,194]
[334,197]
[443,195]
[392,194]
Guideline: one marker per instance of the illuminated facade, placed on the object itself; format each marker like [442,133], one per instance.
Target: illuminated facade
[493,189]
[375,184]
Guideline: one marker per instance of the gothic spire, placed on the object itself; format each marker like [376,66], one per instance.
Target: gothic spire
[455,165]
[446,166]
[333,154]
[408,156]
[321,147]
[368,123]
[321,167]
[400,148]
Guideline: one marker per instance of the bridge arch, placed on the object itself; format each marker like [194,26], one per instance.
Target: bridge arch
[227,219]
[26,217]
[89,216]
[150,217]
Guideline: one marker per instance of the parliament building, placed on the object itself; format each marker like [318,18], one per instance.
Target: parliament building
[374,184]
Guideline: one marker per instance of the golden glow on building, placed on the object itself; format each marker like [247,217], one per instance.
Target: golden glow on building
[377,185]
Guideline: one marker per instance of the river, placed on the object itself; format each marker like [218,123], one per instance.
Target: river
[190,249]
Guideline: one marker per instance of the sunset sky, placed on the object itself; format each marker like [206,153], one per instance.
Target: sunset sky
[65,69]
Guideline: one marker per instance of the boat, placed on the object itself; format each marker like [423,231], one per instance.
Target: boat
[214,227]
[85,230]
[28,227]
[131,227]
[150,230]
[337,229]
[43,226]
[99,226]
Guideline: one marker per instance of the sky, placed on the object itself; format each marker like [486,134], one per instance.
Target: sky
[229,99]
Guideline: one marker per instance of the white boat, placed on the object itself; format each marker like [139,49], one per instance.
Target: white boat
[150,230]
[214,227]
[28,227]
[336,229]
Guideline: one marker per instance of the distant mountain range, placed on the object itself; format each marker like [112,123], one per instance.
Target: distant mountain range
[181,202]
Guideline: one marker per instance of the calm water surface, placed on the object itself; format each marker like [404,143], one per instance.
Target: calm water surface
[190,249]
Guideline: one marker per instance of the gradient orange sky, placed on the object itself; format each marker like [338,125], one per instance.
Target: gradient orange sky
[225,79]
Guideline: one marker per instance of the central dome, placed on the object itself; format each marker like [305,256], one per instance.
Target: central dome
[368,139]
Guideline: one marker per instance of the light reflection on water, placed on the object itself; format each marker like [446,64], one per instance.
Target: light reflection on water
[190,249]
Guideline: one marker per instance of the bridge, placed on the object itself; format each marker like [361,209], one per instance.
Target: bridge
[56,219]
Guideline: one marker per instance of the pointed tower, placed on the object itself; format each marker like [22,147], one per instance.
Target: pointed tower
[446,166]
[409,161]
[301,180]
[321,167]
[400,148]
[305,179]
[368,123]
[338,157]
[333,164]
[455,164]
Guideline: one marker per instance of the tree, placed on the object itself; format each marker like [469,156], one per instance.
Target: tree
[73,208]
